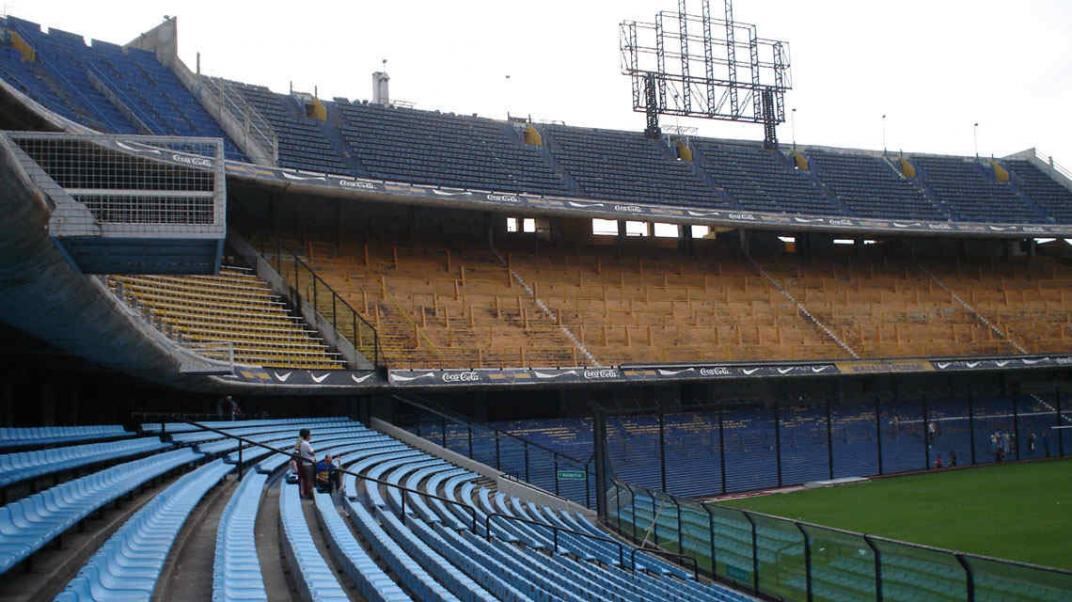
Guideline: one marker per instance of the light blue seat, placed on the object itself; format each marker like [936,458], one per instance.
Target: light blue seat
[128,565]
[312,573]
[183,427]
[30,523]
[21,466]
[236,573]
[416,578]
[371,581]
[58,435]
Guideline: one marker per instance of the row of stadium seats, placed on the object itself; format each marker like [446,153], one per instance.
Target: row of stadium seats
[456,305]
[113,89]
[106,87]
[29,524]
[58,435]
[233,308]
[431,310]
[635,309]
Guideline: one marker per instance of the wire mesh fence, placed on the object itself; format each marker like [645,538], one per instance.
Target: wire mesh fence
[152,184]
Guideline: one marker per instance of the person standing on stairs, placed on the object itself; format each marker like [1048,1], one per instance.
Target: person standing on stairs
[306,467]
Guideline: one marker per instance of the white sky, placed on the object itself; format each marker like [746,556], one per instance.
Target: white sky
[934,66]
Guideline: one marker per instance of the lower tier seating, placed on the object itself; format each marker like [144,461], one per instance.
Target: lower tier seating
[28,465]
[128,565]
[30,523]
[59,435]
[236,573]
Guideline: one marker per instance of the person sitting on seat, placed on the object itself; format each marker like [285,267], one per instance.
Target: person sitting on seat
[327,475]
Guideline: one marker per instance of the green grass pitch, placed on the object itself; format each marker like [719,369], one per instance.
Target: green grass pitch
[1013,511]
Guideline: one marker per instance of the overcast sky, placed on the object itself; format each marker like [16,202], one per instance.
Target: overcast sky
[934,66]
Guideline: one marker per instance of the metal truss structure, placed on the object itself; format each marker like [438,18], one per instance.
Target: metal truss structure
[689,65]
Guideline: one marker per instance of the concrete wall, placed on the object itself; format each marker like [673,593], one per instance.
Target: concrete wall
[507,485]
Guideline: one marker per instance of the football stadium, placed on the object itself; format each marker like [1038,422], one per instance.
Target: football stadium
[268,345]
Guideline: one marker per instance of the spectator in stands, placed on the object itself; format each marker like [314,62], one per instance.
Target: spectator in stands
[938,462]
[304,450]
[232,406]
[327,475]
[952,458]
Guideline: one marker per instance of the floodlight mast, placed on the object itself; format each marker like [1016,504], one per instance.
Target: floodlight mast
[657,57]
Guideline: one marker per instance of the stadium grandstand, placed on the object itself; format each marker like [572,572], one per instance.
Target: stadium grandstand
[548,362]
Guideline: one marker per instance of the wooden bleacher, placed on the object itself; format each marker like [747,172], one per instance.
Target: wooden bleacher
[455,305]
[435,306]
[886,308]
[1028,299]
[665,307]
[233,308]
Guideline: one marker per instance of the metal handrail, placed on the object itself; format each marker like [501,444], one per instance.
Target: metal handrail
[555,530]
[406,490]
[336,298]
[660,552]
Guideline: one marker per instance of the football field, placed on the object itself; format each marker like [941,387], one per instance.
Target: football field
[1013,511]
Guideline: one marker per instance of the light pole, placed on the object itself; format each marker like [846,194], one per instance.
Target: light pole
[506,85]
[793,126]
[975,138]
[883,133]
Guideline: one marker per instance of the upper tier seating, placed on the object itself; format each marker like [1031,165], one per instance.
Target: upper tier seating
[455,305]
[59,435]
[425,147]
[760,179]
[125,90]
[302,142]
[112,89]
[1042,189]
[626,166]
[871,187]
[971,193]
[232,307]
